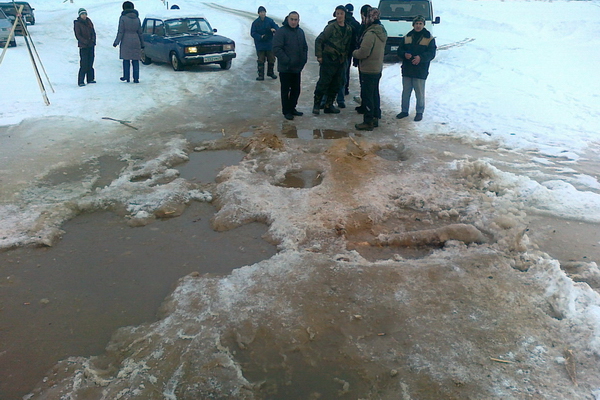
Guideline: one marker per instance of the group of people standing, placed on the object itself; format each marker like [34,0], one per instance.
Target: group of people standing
[129,37]
[342,40]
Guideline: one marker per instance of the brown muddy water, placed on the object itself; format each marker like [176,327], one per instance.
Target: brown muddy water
[67,300]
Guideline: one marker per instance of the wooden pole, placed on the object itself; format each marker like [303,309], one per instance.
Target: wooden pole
[11,34]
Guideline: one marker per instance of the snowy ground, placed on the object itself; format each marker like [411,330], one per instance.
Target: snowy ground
[520,97]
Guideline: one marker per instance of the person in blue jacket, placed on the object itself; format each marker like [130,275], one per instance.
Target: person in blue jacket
[262,31]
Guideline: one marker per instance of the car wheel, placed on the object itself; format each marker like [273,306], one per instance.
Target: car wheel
[145,59]
[177,66]
[33,21]
[225,64]
[13,43]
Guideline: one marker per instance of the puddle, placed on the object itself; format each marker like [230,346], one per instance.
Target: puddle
[566,240]
[290,131]
[392,154]
[67,300]
[204,166]
[105,168]
[302,179]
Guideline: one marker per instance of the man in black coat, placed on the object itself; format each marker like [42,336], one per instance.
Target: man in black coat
[86,41]
[291,50]
[416,53]
[350,20]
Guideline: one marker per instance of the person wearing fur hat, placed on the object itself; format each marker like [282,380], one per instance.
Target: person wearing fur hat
[370,63]
[129,36]
[416,53]
[86,41]
[331,48]
[262,31]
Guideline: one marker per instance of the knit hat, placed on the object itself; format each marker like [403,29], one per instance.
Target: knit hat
[261,9]
[419,18]
[349,7]
[128,5]
[81,11]
[340,7]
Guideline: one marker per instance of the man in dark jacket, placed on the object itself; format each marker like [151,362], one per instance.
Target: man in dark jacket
[262,31]
[331,48]
[86,41]
[291,50]
[350,20]
[370,56]
[364,12]
[416,54]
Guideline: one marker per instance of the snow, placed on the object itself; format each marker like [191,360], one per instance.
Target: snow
[510,85]
[525,84]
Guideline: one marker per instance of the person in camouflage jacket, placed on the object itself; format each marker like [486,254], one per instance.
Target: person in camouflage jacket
[332,47]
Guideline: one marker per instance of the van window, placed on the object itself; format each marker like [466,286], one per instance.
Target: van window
[405,10]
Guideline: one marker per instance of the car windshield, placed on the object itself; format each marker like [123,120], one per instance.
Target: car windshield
[188,26]
[9,8]
[405,10]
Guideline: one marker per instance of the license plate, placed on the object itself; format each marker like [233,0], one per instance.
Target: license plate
[394,48]
[213,58]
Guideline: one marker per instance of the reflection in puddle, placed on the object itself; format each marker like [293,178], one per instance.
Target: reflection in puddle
[67,300]
[302,179]
[290,131]
[204,166]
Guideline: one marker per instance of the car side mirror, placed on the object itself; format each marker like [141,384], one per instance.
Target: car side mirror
[214,29]
[437,20]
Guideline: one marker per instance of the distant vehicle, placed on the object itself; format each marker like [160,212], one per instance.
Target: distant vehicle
[397,15]
[28,15]
[182,39]
[5,27]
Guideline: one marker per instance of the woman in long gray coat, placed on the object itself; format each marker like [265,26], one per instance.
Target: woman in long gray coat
[129,37]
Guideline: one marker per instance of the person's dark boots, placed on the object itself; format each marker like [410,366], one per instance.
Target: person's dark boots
[419,116]
[331,109]
[317,105]
[365,126]
[402,115]
[270,72]
[261,72]
[375,122]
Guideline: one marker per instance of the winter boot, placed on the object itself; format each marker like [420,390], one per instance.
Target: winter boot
[418,116]
[316,109]
[317,105]
[403,114]
[365,126]
[270,72]
[261,71]
[375,122]
[330,109]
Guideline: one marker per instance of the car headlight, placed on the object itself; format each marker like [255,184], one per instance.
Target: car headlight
[191,50]
[228,47]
